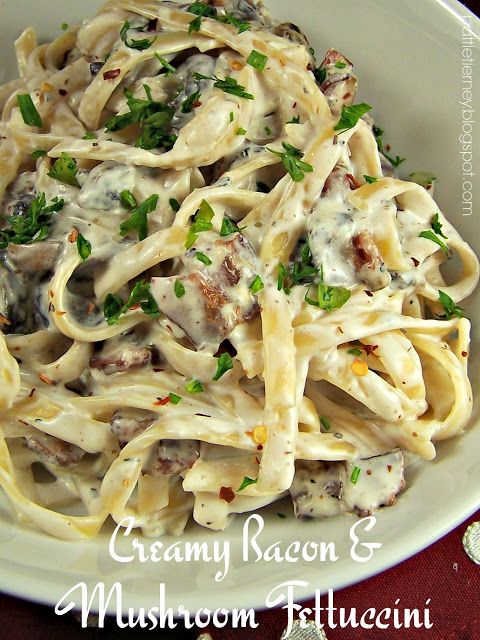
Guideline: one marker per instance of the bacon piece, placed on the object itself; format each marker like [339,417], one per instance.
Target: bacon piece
[339,84]
[128,423]
[120,358]
[368,262]
[52,450]
[171,457]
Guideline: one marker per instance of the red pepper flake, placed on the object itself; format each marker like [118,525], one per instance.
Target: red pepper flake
[369,472]
[257,460]
[62,92]
[90,308]
[369,293]
[414,434]
[354,183]
[415,262]
[389,467]
[162,401]
[197,103]
[72,238]
[112,74]
[50,293]
[44,378]
[346,96]
[369,348]
[158,370]
[260,447]
[227,494]
[4,320]
[464,354]
[31,392]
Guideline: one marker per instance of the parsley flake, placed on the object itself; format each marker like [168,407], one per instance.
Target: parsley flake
[350,116]
[292,162]
[429,235]
[140,296]
[201,257]
[65,170]
[228,85]
[246,482]
[194,386]
[138,221]
[257,60]
[29,113]
[224,364]
[84,247]
[437,226]
[179,289]
[355,475]
[140,45]
[325,423]
[228,227]
[174,203]
[174,399]
[202,222]
[451,309]
[33,225]
[170,69]
[370,179]
[257,285]
[189,103]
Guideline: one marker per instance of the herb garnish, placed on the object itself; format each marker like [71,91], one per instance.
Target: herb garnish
[228,227]
[246,482]
[29,113]
[33,226]
[228,84]
[355,352]
[128,200]
[378,133]
[65,170]
[138,220]
[38,153]
[113,306]
[429,235]
[320,74]
[257,285]
[140,45]
[166,65]
[174,399]
[201,222]
[328,298]
[84,247]
[179,289]
[201,257]
[257,60]
[325,423]
[423,178]
[194,386]
[294,120]
[437,226]
[292,162]
[355,475]
[350,116]
[154,118]
[201,10]
[190,102]
[370,179]
[451,309]
[240,131]
[224,364]
[174,203]
[229,19]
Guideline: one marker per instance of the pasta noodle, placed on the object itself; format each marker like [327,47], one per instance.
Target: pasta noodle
[215,290]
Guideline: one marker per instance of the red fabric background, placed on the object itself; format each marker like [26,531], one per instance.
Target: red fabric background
[443,572]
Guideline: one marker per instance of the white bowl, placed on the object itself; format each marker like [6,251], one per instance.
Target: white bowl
[407,55]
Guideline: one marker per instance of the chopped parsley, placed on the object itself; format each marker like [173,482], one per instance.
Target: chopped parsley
[294,120]
[228,84]
[89,136]
[33,225]
[228,227]
[189,103]
[340,65]
[174,203]
[257,285]
[174,399]
[179,289]
[355,352]
[240,131]
[281,279]
[64,26]
[302,271]
[355,475]
[170,69]
[437,226]
[378,133]
[128,200]
[325,423]
[224,364]
[328,298]
[292,161]
[201,10]
[429,235]
[194,386]
[320,75]
[451,309]
[153,117]
[65,170]
[202,222]
[140,296]
[350,116]
[84,247]
[268,131]
[29,113]
[423,178]
[38,153]
[246,482]
[140,45]
[227,18]
[201,257]
[138,220]
[257,60]
[370,179]
[282,516]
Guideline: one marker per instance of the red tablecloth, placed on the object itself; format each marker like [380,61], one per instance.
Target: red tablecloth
[442,572]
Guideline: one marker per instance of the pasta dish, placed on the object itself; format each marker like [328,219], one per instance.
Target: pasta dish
[215,291]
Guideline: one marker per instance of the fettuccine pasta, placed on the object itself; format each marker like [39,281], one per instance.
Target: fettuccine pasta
[215,290]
